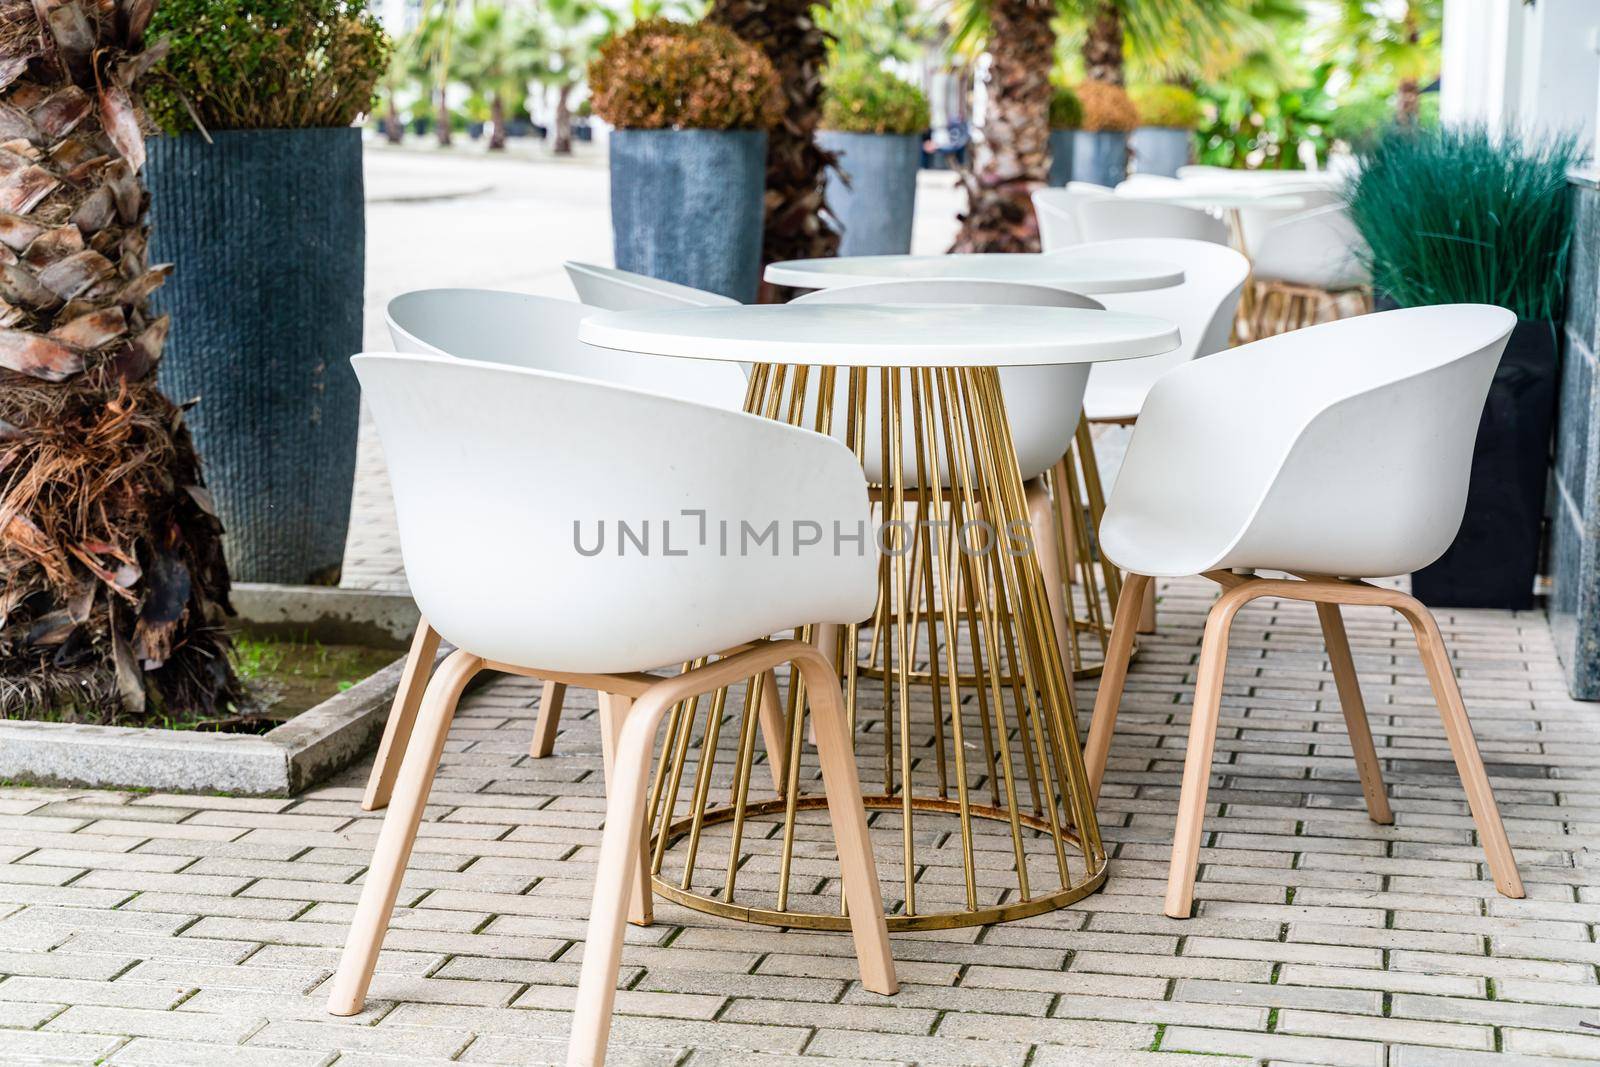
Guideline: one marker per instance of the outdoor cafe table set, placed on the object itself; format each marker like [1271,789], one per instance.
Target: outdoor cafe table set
[955,690]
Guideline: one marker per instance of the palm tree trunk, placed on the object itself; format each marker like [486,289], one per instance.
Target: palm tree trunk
[441,119]
[796,225]
[497,122]
[1013,158]
[393,131]
[113,588]
[562,146]
[1408,99]
[1102,45]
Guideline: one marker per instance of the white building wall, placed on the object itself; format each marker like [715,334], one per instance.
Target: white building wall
[1533,66]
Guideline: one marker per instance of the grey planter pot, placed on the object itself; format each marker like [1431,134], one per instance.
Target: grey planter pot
[876,206]
[686,206]
[1161,149]
[1099,156]
[268,237]
[1061,142]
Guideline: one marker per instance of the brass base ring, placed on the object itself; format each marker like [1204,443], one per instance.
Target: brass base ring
[946,920]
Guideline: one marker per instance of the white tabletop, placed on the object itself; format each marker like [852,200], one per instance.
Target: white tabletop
[1219,197]
[884,335]
[1080,274]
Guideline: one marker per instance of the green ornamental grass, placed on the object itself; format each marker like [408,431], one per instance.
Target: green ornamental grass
[1456,215]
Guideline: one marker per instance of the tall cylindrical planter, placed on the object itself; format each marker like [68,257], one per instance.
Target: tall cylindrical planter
[1061,142]
[875,196]
[266,232]
[1099,156]
[1495,556]
[1160,149]
[686,206]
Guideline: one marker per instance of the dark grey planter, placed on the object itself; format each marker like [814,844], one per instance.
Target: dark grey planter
[1160,149]
[876,196]
[267,234]
[686,206]
[1099,156]
[1061,142]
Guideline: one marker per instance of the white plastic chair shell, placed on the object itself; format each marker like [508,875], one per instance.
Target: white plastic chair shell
[541,333]
[1321,249]
[1057,211]
[492,516]
[1258,222]
[1117,219]
[1042,403]
[624,290]
[1203,307]
[1342,449]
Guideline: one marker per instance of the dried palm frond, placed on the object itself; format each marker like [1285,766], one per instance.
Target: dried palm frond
[112,582]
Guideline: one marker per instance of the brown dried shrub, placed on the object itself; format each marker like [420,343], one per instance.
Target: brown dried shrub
[1106,107]
[663,75]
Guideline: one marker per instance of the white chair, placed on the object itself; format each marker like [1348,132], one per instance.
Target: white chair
[1335,453]
[1203,307]
[1304,266]
[1256,222]
[540,333]
[1043,405]
[486,515]
[625,290]
[1057,210]
[1119,218]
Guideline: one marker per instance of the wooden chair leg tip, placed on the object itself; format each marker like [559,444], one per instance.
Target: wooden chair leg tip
[344,1007]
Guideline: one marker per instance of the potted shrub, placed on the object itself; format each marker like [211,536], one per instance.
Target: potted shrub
[1164,139]
[874,122]
[256,194]
[1457,215]
[1066,118]
[1100,146]
[691,104]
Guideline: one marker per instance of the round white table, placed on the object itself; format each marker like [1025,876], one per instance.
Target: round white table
[1220,198]
[1088,275]
[962,617]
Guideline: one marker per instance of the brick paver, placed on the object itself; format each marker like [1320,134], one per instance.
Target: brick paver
[149,929]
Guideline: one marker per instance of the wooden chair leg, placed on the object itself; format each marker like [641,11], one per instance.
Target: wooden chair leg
[1112,676]
[349,990]
[1202,746]
[774,730]
[859,872]
[1464,748]
[1147,609]
[1355,712]
[616,873]
[402,716]
[625,821]
[614,712]
[551,697]
[1046,550]
[1066,486]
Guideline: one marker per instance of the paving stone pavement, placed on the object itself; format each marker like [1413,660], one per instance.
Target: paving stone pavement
[151,929]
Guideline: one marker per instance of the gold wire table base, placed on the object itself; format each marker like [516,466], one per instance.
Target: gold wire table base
[966,714]
[801,920]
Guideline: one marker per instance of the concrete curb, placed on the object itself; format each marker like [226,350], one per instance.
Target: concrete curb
[310,747]
[304,750]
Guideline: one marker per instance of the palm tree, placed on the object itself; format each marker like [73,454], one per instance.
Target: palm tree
[435,40]
[112,581]
[796,226]
[572,29]
[500,52]
[1403,43]
[1013,156]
